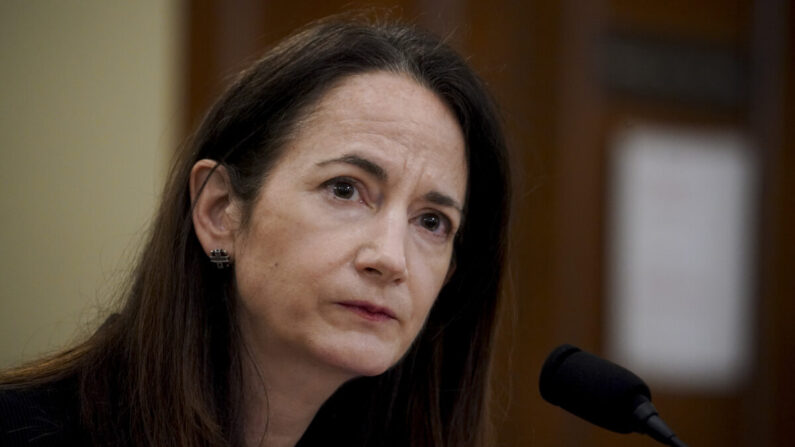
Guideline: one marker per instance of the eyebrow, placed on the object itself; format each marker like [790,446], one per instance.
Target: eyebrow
[380,173]
[443,200]
[355,160]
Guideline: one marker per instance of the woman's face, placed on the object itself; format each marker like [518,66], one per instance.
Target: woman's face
[351,236]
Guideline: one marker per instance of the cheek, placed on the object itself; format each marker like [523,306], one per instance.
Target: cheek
[281,257]
[263,263]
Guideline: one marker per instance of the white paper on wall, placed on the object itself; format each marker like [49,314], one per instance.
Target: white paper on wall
[681,256]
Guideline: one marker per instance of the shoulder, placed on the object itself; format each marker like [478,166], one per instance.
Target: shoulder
[40,416]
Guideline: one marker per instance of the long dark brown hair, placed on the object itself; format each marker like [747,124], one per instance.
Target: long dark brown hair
[166,369]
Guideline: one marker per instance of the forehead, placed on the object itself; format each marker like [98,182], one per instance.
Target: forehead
[390,117]
[388,92]
[389,99]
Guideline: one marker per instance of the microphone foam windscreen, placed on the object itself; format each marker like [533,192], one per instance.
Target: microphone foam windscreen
[592,388]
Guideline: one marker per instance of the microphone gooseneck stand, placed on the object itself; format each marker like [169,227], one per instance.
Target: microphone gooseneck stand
[650,423]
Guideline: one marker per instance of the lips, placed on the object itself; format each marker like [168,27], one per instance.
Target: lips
[369,311]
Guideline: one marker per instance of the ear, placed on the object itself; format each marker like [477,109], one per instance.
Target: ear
[216,215]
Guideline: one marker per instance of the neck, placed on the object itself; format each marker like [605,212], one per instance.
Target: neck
[282,393]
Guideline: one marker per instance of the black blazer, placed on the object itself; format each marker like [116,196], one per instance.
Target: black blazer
[42,416]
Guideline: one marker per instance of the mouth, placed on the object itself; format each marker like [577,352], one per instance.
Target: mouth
[369,311]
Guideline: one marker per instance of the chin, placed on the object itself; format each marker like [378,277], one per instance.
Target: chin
[372,370]
[358,360]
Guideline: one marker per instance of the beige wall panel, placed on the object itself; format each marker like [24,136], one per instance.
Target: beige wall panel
[88,114]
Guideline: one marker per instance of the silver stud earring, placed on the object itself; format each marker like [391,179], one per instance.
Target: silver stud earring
[220,258]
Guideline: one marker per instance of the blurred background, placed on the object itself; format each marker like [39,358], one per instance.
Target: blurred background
[654,218]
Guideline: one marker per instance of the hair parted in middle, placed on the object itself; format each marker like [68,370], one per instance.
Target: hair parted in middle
[419,401]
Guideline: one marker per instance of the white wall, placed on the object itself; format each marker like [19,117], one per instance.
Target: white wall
[88,118]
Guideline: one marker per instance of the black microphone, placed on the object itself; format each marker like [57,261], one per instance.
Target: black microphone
[602,393]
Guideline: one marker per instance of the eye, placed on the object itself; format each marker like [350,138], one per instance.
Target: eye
[436,223]
[430,221]
[343,188]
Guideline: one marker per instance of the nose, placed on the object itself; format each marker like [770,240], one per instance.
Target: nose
[382,255]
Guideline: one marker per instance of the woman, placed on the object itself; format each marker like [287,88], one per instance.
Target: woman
[324,266]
